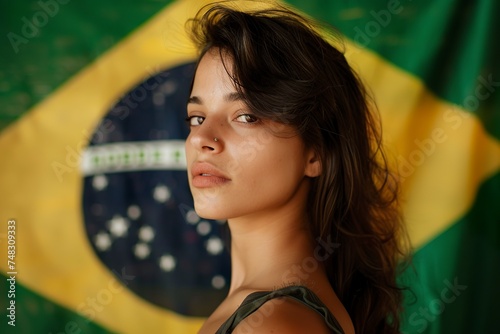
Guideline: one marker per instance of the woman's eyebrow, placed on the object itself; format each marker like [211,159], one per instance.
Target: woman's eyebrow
[194,100]
[231,97]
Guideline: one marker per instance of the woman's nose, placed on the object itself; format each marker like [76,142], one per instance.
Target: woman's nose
[206,137]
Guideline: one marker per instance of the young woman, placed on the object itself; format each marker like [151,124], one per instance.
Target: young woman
[283,145]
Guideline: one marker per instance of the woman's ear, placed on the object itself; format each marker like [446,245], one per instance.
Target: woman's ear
[313,164]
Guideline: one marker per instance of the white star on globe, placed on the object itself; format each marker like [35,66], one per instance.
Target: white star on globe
[102,241]
[134,212]
[204,228]
[167,262]
[218,281]
[214,246]
[161,193]
[169,87]
[118,226]
[192,217]
[99,182]
[146,233]
[141,250]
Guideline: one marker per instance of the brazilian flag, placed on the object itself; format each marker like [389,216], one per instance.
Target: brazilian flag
[97,228]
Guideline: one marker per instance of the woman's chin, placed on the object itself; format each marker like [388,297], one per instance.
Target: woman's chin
[206,211]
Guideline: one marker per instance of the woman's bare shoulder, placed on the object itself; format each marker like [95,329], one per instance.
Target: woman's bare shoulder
[283,315]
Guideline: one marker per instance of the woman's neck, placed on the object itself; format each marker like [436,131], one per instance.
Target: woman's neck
[266,250]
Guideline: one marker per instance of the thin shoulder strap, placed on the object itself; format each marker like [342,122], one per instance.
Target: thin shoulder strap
[299,293]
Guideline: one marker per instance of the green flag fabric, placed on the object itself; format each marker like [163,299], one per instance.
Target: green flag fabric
[97,230]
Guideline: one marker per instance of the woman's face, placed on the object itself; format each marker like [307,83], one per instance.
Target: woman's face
[237,166]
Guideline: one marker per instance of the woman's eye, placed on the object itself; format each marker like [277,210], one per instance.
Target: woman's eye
[195,120]
[247,118]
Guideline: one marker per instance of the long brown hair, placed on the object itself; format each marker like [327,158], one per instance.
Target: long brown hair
[287,72]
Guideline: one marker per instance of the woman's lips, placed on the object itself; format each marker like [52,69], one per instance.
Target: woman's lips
[206,181]
[205,175]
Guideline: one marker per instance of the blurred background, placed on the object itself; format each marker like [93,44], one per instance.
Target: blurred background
[92,108]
